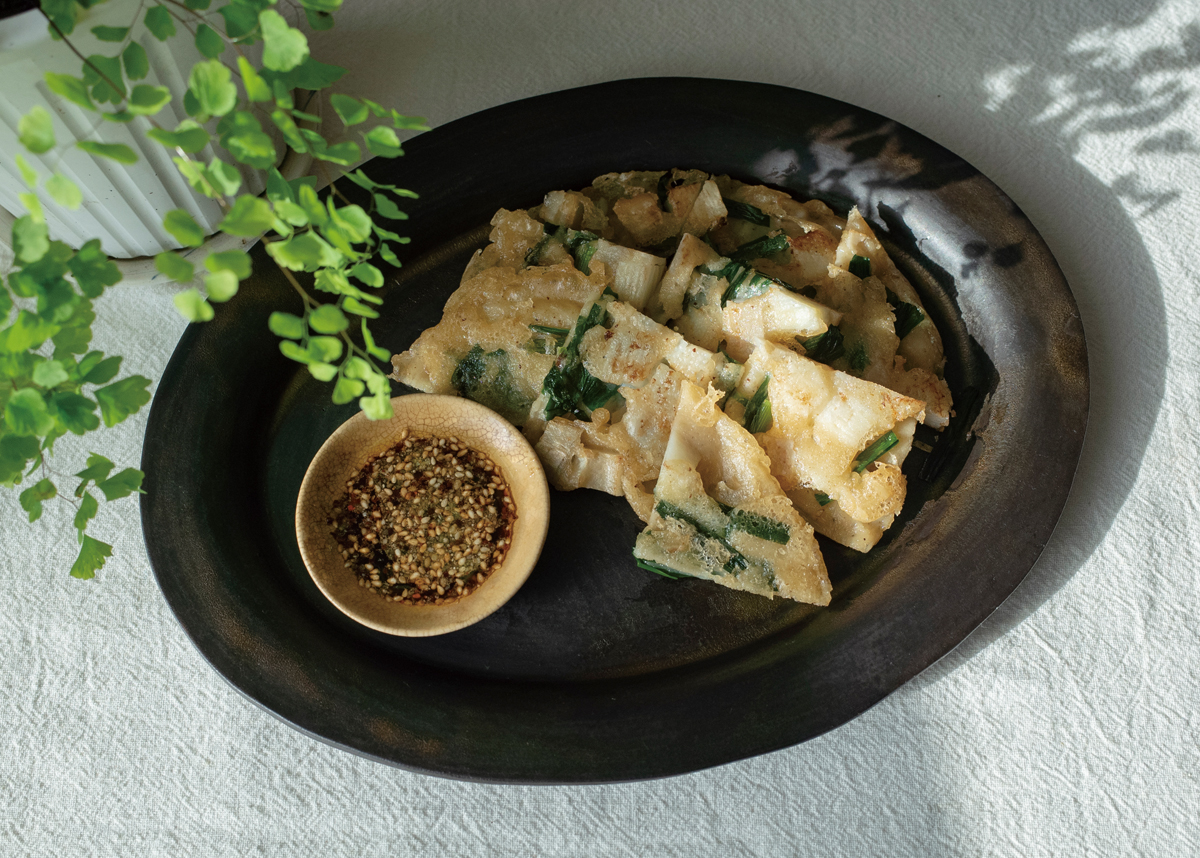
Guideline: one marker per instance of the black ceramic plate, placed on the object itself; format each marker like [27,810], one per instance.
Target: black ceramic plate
[597,670]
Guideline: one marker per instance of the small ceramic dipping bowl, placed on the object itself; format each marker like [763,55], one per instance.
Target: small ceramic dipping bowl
[355,442]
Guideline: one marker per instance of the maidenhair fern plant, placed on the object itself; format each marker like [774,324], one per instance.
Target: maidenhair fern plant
[51,382]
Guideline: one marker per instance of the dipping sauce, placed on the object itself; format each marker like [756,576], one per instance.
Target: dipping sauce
[425,522]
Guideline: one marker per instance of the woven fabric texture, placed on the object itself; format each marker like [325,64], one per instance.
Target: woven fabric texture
[1066,725]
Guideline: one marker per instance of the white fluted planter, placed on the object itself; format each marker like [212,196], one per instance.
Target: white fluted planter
[123,204]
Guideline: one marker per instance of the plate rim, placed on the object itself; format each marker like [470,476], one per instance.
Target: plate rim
[187,343]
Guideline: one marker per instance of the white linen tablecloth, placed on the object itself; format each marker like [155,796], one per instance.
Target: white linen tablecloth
[1066,725]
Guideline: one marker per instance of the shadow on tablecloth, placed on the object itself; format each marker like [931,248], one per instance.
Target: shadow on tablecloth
[1091,86]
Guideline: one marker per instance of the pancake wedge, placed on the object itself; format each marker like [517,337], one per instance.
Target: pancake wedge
[831,435]
[720,515]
